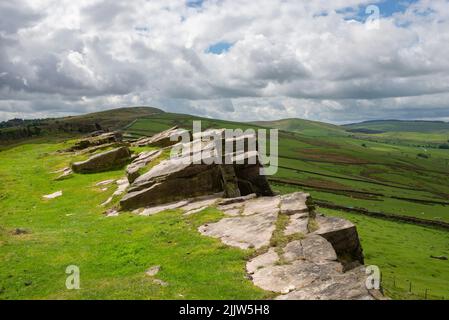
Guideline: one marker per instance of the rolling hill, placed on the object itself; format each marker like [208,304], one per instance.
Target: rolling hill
[16,129]
[428,134]
[308,127]
[401,126]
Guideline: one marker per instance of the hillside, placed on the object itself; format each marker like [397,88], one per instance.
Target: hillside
[307,127]
[427,134]
[336,169]
[401,126]
[16,129]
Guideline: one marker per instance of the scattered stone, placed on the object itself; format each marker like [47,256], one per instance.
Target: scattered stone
[298,224]
[53,195]
[160,282]
[104,183]
[153,271]
[103,161]
[122,184]
[267,259]
[243,232]
[108,201]
[112,213]
[65,174]
[439,257]
[144,158]
[295,203]
[188,213]
[61,170]
[19,231]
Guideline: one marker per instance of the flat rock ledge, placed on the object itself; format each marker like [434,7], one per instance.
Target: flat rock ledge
[326,264]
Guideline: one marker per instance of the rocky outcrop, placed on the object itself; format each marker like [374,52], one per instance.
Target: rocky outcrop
[144,158]
[308,267]
[343,236]
[300,254]
[103,161]
[182,177]
[105,138]
[161,139]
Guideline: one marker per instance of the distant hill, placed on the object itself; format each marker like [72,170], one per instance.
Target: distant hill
[380,126]
[306,127]
[113,119]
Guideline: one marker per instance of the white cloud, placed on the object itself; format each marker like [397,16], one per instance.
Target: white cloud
[288,58]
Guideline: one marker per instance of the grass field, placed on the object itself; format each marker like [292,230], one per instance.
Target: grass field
[112,253]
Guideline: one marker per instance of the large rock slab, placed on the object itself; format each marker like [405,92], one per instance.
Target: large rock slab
[261,205]
[298,224]
[343,236]
[193,182]
[103,161]
[105,138]
[182,177]
[295,203]
[144,158]
[293,251]
[294,276]
[243,232]
[161,139]
[340,286]
[317,249]
[270,258]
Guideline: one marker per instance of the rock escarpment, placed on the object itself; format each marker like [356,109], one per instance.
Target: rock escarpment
[184,177]
[298,254]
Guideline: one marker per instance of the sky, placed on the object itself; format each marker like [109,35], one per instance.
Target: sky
[336,61]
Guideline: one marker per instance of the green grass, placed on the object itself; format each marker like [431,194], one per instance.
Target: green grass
[112,253]
[402,252]
[306,127]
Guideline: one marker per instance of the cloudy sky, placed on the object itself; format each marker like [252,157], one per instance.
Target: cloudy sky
[235,59]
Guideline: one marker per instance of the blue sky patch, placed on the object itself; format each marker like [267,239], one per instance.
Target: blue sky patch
[387,9]
[194,3]
[219,47]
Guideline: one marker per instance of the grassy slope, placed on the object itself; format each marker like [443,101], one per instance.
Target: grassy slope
[112,253]
[428,133]
[307,127]
[401,126]
[108,120]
